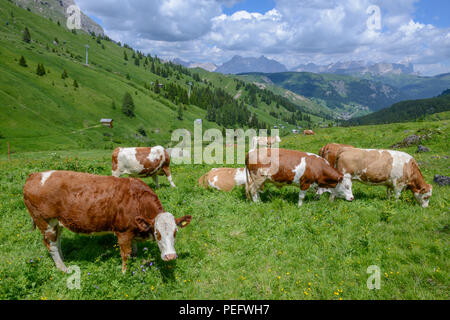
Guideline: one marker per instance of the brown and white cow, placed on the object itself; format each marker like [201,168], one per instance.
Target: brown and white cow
[265,141]
[329,152]
[394,169]
[91,204]
[290,167]
[224,179]
[142,162]
[308,133]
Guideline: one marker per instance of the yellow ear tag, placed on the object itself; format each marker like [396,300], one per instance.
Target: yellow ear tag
[183,223]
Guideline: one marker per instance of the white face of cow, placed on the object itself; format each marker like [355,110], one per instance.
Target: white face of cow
[424,198]
[165,231]
[344,189]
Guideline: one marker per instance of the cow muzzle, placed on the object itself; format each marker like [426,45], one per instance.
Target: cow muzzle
[169,257]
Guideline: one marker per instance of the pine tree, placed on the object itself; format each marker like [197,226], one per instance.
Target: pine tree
[23,62]
[180,112]
[75,84]
[157,90]
[26,35]
[125,56]
[113,105]
[128,105]
[64,75]
[40,71]
[137,62]
[153,69]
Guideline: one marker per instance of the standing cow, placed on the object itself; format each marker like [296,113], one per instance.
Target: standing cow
[394,169]
[142,162]
[290,167]
[224,179]
[91,204]
[308,133]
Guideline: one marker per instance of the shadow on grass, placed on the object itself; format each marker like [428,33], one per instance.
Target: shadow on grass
[91,248]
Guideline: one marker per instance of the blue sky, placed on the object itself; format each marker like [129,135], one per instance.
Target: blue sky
[260,6]
[435,12]
[292,32]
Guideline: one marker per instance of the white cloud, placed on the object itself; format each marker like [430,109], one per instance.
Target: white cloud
[294,32]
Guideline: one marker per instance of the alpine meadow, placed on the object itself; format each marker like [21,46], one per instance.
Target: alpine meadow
[70,98]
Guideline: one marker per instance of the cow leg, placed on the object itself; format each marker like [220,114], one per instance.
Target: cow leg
[389,192]
[253,188]
[134,249]
[52,239]
[125,244]
[302,194]
[398,192]
[155,179]
[166,170]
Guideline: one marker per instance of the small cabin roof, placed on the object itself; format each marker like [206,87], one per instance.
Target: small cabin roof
[106,120]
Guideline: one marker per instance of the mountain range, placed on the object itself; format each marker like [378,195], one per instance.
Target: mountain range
[358,67]
[262,64]
[57,11]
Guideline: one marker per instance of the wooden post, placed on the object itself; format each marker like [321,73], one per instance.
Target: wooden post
[9,154]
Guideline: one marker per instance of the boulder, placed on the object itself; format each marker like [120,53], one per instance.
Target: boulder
[421,148]
[441,180]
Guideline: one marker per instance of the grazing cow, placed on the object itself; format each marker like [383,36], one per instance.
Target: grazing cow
[329,152]
[142,162]
[293,168]
[308,133]
[394,169]
[224,179]
[91,204]
[265,141]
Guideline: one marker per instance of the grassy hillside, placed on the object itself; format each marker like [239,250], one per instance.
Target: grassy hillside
[49,113]
[414,87]
[406,111]
[309,104]
[234,249]
[342,94]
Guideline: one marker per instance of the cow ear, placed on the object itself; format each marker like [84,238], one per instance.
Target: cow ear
[183,221]
[144,224]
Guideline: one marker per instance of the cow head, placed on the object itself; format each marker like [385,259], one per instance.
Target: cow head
[165,227]
[423,195]
[344,188]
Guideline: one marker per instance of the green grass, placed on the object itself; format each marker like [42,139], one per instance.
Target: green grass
[234,249]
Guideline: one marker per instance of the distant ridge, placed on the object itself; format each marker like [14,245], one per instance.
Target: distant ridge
[240,64]
[358,67]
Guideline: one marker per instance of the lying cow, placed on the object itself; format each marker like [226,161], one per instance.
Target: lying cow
[90,204]
[308,133]
[394,169]
[292,167]
[265,141]
[142,162]
[224,179]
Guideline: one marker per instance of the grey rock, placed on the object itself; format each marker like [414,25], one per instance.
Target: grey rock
[421,148]
[442,180]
